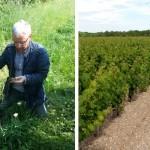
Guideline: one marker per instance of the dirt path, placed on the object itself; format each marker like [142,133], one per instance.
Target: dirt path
[129,131]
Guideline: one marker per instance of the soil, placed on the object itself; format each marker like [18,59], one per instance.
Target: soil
[128,131]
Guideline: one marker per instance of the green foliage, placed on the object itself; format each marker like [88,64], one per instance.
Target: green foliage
[130,33]
[122,68]
[22,2]
[55,30]
[28,132]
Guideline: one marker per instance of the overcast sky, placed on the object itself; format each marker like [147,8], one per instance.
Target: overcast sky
[113,15]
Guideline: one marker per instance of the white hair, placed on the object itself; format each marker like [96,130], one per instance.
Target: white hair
[21,27]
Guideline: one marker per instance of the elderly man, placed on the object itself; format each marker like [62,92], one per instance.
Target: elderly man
[28,64]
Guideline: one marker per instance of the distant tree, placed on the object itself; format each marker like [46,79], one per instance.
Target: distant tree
[117,33]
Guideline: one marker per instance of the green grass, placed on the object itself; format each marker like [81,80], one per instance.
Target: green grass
[52,26]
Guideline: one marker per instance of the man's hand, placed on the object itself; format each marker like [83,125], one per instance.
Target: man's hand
[18,80]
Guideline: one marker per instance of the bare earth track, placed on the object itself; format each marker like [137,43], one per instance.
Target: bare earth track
[128,131]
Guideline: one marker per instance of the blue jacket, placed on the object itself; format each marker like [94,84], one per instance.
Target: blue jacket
[36,67]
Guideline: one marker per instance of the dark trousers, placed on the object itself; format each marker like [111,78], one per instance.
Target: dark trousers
[16,96]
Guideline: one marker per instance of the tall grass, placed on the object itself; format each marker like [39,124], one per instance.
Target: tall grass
[52,26]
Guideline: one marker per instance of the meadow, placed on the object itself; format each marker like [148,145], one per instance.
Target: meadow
[52,23]
[111,70]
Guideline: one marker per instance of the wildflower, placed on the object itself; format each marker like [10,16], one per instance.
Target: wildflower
[19,103]
[15,115]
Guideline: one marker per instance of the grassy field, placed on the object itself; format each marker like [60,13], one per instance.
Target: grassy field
[52,26]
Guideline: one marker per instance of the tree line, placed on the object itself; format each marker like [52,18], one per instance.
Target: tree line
[116,33]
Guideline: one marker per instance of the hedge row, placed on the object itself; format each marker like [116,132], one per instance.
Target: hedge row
[110,69]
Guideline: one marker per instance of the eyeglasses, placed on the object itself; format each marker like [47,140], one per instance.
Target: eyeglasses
[22,43]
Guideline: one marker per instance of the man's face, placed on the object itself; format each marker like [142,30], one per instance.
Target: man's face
[21,42]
